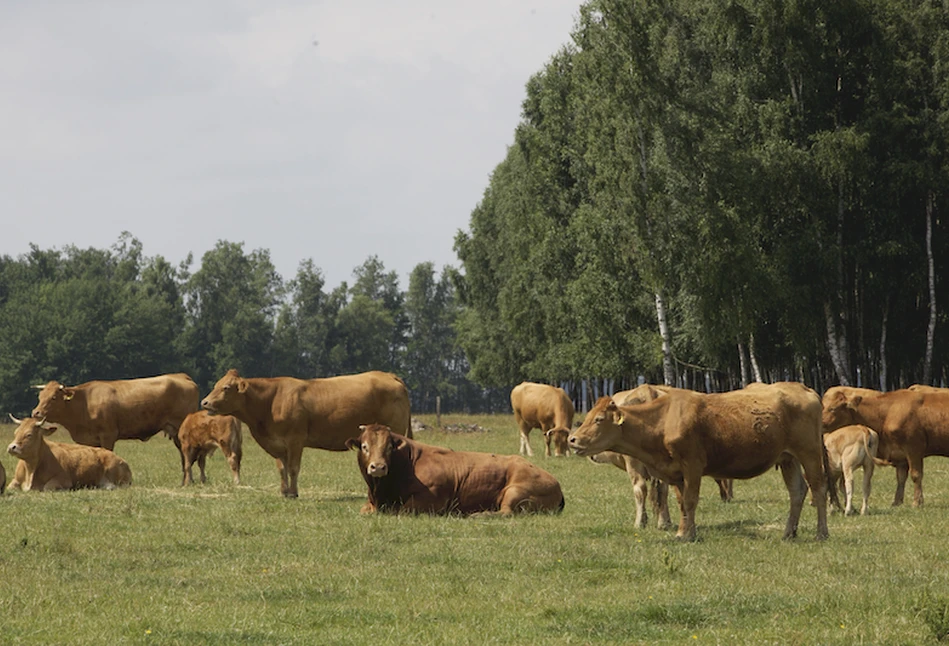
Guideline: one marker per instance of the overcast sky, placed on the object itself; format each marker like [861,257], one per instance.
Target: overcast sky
[328,130]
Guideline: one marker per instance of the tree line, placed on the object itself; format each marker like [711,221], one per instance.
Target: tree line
[705,193]
[75,315]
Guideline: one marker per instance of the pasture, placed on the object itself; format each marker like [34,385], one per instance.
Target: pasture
[224,564]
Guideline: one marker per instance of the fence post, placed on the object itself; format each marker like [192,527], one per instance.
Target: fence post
[438,411]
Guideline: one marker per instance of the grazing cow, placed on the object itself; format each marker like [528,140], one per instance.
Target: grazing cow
[98,413]
[849,448]
[683,436]
[201,433]
[51,465]
[285,414]
[407,476]
[547,408]
[911,425]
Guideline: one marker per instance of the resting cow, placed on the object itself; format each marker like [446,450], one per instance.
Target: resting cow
[547,408]
[201,433]
[49,466]
[849,448]
[285,414]
[407,476]
[683,436]
[911,425]
[98,413]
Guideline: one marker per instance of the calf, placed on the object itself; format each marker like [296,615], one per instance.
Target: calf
[51,465]
[407,476]
[639,476]
[201,433]
[849,448]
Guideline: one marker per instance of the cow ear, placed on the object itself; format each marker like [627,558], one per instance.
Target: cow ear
[352,443]
[242,386]
[49,430]
[68,393]
[619,419]
[856,401]
[362,427]
[398,442]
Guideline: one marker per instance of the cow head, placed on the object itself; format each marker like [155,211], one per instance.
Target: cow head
[558,439]
[54,400]
[839,411]
[375,444]
[28,437]
[227,396]
[600,429]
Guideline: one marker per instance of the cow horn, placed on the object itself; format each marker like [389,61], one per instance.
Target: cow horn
[39,386]
[15,420]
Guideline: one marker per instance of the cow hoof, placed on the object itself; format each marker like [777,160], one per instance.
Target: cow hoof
[290,494]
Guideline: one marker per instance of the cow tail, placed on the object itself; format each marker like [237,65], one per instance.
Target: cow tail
[872,444]
[830,485]
[562,502]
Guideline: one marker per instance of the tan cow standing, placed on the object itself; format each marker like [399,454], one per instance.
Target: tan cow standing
[911,424]
[99,413]
[547,408]
[48,466]
[407,476]
[285,414]
[201,433]
[683,436]
[849,448]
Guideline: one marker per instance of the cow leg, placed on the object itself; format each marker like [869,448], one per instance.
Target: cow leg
[525,442]
[294,456]
[640,490]
[797,489]
[660,502]
[848,488]
[234,461]
[916,473]
[902,470]
[867,475]
[284,486]
[186,477]
[725,488]
[688,495]
[202,461]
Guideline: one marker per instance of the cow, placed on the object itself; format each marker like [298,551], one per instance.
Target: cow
[201,433]
[99,413]
[49,466]
[849,448]
[547,408]
[285,414]
[639,476]
[683,436]
[407,476]
[911,425]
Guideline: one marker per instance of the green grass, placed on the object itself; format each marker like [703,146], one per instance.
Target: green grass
[219,564]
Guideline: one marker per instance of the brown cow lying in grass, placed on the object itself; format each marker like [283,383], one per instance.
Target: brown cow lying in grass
[849,448]
[683,436]
[407,476]
[201,433]
[47,466]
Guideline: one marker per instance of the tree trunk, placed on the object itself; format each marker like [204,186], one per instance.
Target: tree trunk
[931,330]
[668,369]
[886,313]
[754,360]
[834,347]
[742,364]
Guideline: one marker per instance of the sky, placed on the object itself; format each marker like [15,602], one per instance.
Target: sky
[332,130]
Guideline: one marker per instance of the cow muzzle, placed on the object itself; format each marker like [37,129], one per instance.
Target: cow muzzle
[377,469]
[14,449]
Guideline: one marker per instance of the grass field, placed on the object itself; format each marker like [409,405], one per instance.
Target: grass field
[222,564]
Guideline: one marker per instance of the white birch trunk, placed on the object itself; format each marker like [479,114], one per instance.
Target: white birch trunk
[756,370]
[742,364]
[931,330]
[668,369]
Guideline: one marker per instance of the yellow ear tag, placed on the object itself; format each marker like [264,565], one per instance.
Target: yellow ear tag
[67,397]
[619,420]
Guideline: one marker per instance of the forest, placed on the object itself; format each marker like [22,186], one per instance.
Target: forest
[699,193]
[708,193]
